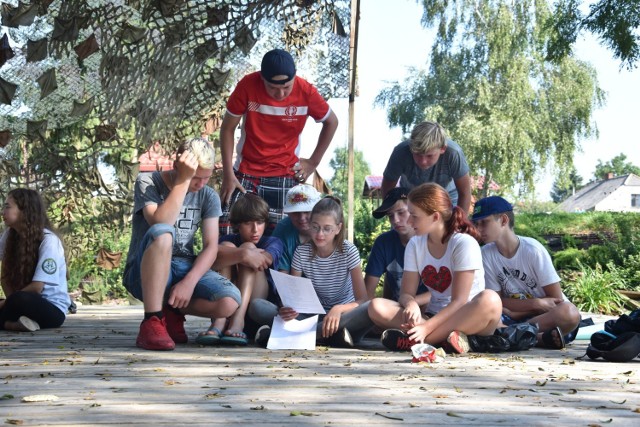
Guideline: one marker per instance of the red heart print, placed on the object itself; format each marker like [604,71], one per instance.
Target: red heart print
[438,281]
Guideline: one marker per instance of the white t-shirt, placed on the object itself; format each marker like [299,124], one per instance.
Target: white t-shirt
[51,269]
[522,276]
[462,254]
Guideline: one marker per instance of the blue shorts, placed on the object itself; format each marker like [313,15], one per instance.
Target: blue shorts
[508,321]
[212,286]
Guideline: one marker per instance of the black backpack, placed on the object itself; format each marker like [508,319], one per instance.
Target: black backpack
[625,323]
[622,348]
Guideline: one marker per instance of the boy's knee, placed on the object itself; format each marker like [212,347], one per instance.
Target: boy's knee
[570,314]
[226,307]
[162,242]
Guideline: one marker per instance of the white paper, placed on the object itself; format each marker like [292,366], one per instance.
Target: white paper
[297,293]
[293,334]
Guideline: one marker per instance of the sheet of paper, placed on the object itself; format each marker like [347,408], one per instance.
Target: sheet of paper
[297,293]
[294,334]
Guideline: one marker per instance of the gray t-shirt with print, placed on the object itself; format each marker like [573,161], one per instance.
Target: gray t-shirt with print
[151,189]
[450,166]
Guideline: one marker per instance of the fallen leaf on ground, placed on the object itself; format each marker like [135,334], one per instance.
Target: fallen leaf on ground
[40,398]
[390,417]
[14,422]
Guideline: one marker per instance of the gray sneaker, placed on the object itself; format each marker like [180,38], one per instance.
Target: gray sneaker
[262,336]
[341,339]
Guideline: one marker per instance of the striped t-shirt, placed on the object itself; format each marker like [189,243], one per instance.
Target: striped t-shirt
[331,276]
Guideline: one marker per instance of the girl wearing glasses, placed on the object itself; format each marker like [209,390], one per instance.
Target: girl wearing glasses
[445,254]
[34,272]
[333,265]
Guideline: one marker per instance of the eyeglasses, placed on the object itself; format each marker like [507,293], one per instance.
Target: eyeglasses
[327,229]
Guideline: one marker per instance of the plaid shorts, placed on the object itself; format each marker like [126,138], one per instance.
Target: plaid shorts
[273,189]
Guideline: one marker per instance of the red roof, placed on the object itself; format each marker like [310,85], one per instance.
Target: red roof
[155,159]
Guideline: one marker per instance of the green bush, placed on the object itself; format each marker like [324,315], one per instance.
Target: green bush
[569,259]
[631,273]
[594,290]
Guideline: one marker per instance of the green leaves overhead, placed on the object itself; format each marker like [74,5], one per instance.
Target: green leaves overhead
[489,84]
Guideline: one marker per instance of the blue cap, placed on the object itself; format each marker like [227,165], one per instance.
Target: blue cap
[490,206]
[277,62]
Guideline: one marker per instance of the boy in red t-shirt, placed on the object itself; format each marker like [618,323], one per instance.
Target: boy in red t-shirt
[274,104]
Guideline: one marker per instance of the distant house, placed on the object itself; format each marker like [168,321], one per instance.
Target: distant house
[615,194]
[155,159]
[372,185]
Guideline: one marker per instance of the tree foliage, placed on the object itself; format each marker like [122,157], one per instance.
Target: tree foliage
[615,22]
[340,165]
[490,85]
[618,166]
[564,186]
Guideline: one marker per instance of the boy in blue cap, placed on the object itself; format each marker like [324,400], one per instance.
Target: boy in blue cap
[521,271]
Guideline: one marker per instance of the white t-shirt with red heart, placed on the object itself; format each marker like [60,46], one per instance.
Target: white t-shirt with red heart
[462,254]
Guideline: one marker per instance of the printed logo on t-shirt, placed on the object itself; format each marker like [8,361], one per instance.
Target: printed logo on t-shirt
[291,110]
[253,106]
[436,280]
[49,266]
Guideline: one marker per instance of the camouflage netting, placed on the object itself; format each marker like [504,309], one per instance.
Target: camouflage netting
[160,65]
[87,85]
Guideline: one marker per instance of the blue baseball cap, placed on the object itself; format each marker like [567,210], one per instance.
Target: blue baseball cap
[490,206]
[278,62]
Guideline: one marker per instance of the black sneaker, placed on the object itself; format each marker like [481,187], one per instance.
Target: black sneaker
[262,335]
[396,340]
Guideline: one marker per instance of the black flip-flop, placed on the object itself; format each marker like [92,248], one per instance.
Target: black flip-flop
[553,338]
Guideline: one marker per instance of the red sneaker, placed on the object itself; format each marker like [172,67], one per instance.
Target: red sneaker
[175,325]
[153,335]
[459,342]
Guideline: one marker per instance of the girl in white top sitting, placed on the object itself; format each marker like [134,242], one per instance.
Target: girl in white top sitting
[34,272]
[446,255]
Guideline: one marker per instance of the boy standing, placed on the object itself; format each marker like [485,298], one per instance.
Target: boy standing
[520,270]
[162,268]
[274,105]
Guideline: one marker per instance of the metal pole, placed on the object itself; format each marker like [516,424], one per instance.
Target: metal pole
[353,61]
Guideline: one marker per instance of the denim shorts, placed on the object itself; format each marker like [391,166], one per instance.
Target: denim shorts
[212,286]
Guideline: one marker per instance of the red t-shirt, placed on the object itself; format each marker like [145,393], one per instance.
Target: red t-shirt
[269,144]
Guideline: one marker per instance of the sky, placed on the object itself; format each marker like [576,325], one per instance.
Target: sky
[391,39]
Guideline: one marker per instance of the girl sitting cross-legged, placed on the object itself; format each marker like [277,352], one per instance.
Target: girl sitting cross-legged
[445,254]
[333,265]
